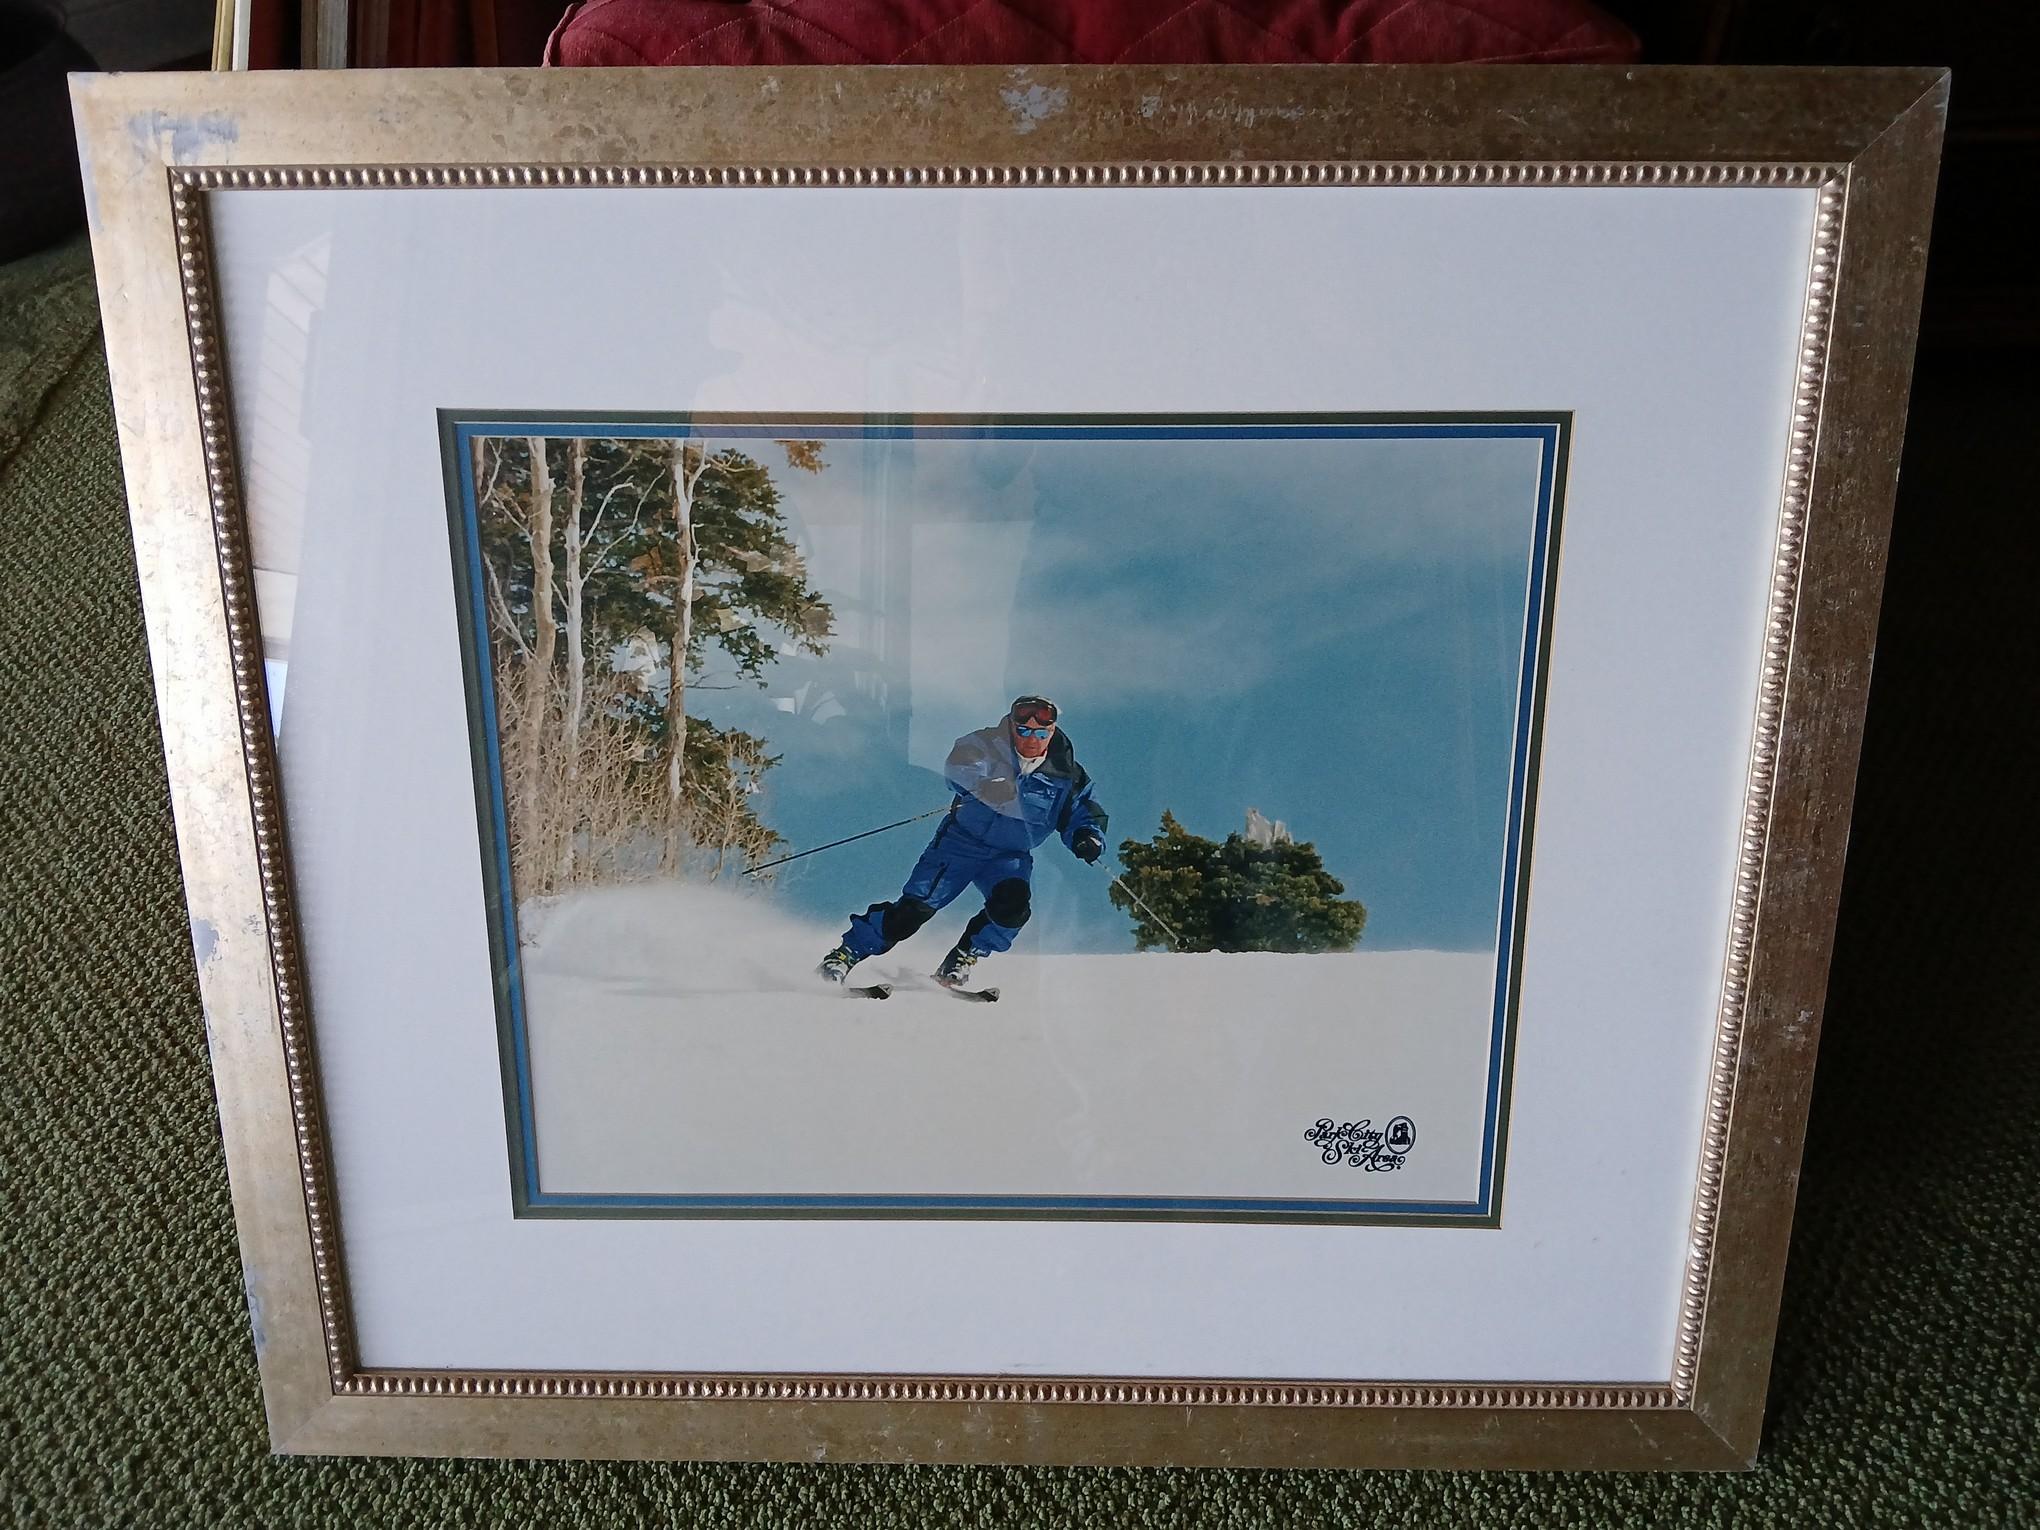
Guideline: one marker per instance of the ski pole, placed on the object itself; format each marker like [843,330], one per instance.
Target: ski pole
[1149,912]
[832,844]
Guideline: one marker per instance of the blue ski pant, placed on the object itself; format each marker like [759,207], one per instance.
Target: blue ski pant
[946,869]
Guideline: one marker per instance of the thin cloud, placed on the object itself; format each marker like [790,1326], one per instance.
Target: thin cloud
[1130,570]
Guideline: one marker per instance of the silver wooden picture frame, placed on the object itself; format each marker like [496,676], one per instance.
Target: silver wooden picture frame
[159,151]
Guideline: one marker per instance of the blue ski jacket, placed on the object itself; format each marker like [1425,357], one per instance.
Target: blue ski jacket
[1053,799]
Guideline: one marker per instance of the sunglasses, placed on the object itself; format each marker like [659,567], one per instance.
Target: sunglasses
[1041,732]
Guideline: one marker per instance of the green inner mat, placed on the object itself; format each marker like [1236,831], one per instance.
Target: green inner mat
[1905,1390]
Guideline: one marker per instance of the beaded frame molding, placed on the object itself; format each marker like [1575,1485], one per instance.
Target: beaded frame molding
[1867,141]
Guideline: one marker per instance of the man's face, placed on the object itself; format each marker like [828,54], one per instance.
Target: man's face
[1031,733]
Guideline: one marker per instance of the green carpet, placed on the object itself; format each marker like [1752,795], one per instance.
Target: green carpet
[1905,1390]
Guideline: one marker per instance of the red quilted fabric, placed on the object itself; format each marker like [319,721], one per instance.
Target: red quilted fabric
[1075,32]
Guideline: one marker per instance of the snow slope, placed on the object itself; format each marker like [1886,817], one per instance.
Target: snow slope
[677,1045]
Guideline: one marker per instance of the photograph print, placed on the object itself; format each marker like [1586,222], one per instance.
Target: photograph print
[1088,817]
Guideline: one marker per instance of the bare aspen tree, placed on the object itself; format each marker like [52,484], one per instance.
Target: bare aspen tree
[538,671]
[691,461]
[577,658]
[577,580]
[686,480]
[583,559]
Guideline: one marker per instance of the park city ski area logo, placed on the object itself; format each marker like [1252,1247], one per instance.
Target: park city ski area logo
[1363,1145]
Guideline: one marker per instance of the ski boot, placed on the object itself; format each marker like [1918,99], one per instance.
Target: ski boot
[835,967]
[955,969]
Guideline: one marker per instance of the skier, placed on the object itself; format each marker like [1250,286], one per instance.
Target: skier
[1016,783]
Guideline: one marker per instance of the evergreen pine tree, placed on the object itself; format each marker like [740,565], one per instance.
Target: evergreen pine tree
[1234,895]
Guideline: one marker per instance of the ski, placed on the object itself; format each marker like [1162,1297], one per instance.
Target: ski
[971,995]
[968,995]
[870,991]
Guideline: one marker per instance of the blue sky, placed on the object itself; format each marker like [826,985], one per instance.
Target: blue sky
[1329,630]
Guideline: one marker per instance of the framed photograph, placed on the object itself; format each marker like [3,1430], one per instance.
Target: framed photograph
[856,595]
[1064,765]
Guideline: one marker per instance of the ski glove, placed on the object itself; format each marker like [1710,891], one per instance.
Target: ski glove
[996,791]
[1088,846]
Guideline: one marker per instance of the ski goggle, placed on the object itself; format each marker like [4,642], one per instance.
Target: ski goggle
[1033,709]
[1041,732]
